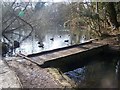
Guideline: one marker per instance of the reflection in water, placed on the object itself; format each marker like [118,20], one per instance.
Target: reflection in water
[51,40]
[77,75]
[100,73]
[118,72]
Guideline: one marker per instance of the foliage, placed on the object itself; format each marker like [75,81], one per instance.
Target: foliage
[93,16]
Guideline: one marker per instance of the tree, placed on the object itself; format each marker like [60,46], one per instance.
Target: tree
[110,8]
[13,23]
[12,20]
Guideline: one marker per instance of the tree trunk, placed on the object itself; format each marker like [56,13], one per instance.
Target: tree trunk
[98,19]
[112,15]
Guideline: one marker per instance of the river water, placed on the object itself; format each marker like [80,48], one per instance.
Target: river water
[51,39]
[101,71]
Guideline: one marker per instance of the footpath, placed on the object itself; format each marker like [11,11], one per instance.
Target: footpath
[8,78]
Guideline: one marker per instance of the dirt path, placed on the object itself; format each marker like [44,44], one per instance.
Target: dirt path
[8,78]
[32,76]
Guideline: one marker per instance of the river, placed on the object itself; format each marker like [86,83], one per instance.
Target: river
[100,71]
[51,39]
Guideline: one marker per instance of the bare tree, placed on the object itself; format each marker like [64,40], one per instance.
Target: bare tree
[11,21]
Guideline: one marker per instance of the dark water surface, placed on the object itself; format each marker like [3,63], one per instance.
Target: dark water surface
[99,72]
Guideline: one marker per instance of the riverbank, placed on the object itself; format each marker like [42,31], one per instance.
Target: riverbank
[32,76]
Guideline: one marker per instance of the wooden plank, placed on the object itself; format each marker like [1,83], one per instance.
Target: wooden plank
[61,53]
[29,59]
[58,49]
[38,60]
[70,51]
[64,53]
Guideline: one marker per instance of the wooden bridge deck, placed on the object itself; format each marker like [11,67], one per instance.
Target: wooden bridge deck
[66,52]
